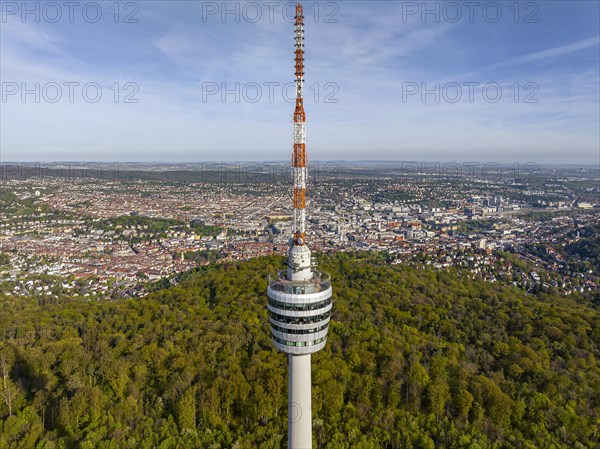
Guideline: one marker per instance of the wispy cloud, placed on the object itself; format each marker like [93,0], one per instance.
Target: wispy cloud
[368,53]
[28,36]
[557,51]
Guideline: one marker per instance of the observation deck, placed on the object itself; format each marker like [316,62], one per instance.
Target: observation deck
[299,312]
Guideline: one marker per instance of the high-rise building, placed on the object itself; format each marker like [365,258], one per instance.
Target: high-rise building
[299,297]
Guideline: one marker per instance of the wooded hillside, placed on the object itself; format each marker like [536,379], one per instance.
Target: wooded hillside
[416,358]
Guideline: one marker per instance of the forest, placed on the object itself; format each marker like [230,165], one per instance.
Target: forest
[416,358]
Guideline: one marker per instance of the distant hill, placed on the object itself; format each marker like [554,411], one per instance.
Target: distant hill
[587,249]
[416,358]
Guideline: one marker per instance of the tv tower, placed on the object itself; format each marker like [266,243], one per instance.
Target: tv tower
[299,297]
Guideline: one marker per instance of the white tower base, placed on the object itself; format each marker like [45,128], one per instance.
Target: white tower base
[299,403]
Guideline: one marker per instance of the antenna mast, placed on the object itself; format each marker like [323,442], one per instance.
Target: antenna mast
[299,158]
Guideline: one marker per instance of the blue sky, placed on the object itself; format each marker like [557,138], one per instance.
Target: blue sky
[367,55]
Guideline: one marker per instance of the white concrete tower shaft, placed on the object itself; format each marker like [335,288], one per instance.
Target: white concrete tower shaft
[300,297]
[299,402]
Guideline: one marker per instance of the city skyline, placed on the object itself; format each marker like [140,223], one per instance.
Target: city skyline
[368,57]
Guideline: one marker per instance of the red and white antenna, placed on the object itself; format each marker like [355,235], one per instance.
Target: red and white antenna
[299,158]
